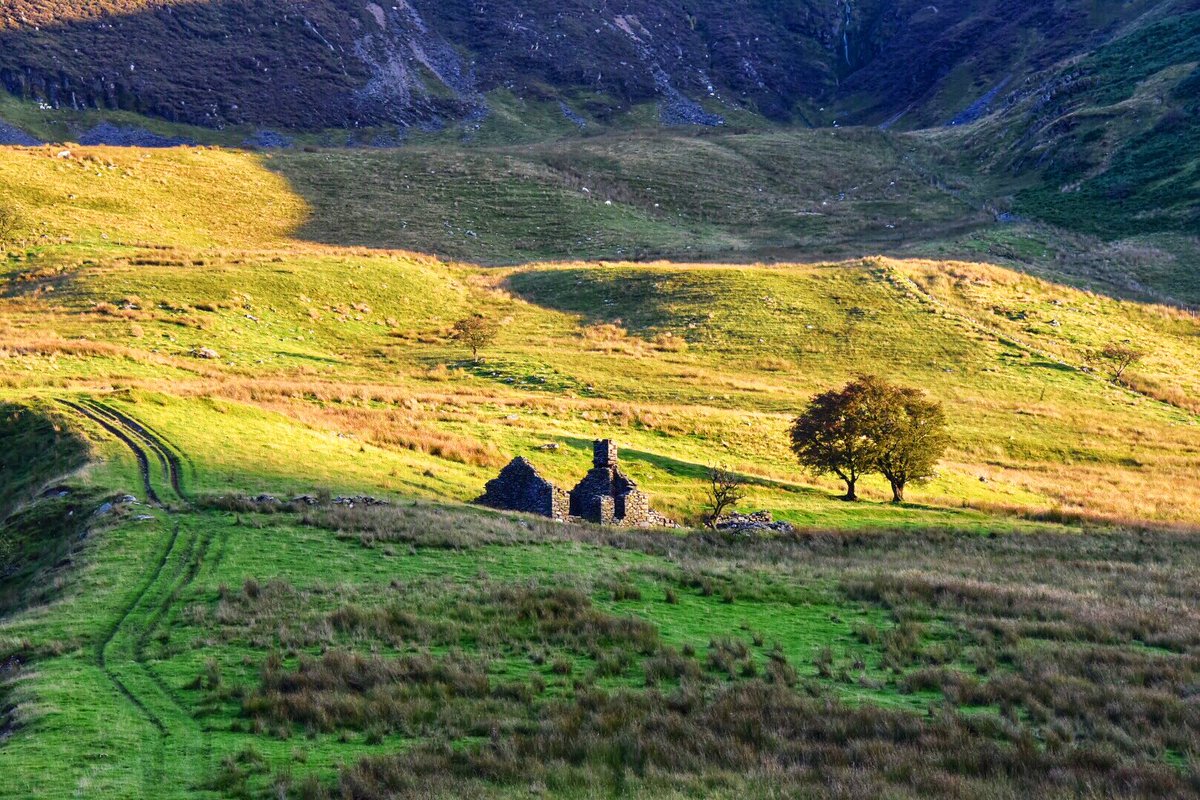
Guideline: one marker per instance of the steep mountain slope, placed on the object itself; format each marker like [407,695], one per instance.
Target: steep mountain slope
[924,65]
[344,63]
[1114,138]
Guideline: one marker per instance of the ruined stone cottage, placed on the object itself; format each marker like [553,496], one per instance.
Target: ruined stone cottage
[519,487]
[606,495]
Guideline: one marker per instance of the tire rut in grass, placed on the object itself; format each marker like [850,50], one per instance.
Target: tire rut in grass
[190,563]
[145,612]
[170,462]
[116,431]
[103,647]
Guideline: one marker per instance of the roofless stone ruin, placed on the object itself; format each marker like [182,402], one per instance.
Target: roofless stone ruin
[605,496]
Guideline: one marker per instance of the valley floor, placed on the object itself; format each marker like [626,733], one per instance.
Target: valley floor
[1026,625]
[220,646]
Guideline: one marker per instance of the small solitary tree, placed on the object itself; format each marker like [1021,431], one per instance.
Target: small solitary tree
[10,222]
[725,490]
[476,332]
[909,432]
[1115,358]
[832,435]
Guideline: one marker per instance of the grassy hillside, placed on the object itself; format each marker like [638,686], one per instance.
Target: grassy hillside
[451,652]
[1106,143]
[125,293]
[218,325]
[631,196]
[497,191]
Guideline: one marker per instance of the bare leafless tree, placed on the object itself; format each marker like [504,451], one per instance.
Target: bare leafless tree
[1116,357]
[726,489]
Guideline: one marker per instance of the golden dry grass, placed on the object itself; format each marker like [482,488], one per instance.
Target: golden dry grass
[688,364]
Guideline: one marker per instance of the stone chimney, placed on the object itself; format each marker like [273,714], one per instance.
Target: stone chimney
[604,454]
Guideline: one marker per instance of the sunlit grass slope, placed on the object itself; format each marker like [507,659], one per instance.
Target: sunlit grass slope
[148,675]
[183,290]
[143,262]
[184,197]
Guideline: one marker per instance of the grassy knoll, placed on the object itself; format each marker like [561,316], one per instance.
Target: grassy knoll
[1025,625]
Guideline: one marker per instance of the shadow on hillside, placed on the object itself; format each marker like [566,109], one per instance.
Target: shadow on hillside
[700,198]
[1054,365]
[771,195]
[574,200]
[687,470]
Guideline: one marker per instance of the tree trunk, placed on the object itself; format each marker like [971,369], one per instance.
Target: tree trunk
[897,492]
[851,494]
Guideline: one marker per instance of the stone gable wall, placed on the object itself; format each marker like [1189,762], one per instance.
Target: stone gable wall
[519,487]
[604,454]
[633,508]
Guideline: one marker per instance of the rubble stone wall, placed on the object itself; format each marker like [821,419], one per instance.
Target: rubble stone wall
[519,487]
[633,508]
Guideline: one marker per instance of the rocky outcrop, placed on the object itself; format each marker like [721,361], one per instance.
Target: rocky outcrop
[519,487]
[112,135]
[317,64]
[267,140]
[12,135]
[350,63]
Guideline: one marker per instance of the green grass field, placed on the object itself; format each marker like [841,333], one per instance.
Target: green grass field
[1024,626]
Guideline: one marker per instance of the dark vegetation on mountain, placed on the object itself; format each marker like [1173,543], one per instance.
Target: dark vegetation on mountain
[344,63]
[1125,132]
